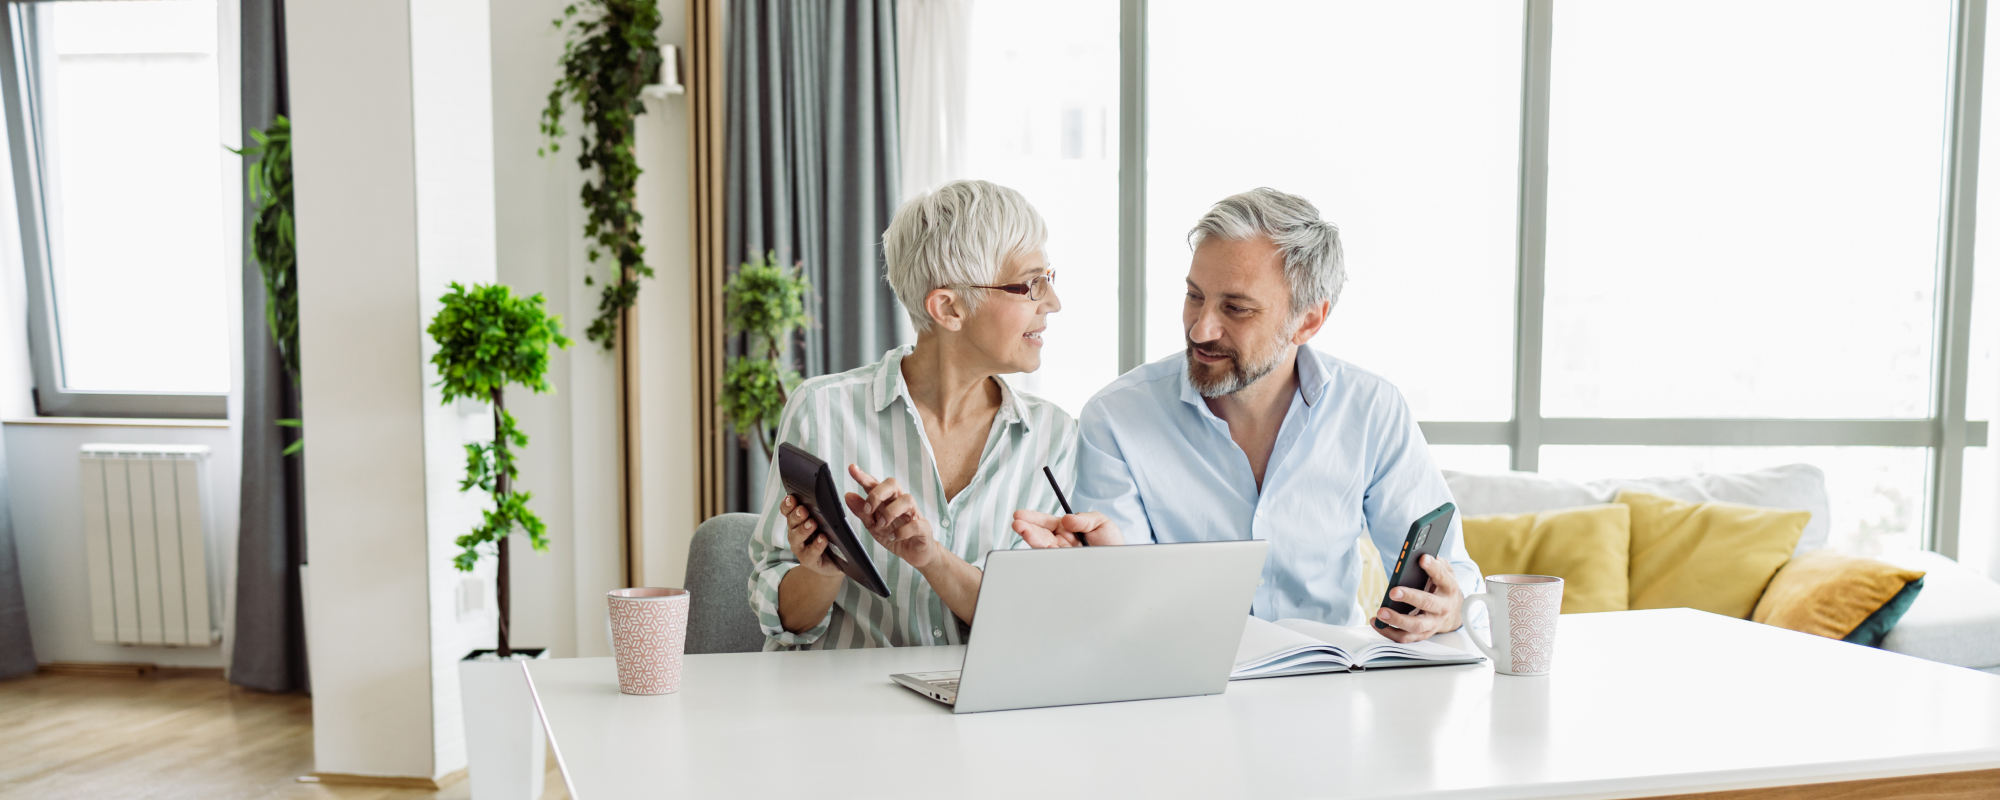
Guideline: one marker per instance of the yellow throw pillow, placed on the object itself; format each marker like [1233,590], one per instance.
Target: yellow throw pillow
[1374,580]
[1717,557]
[1585,546]
[1828,594]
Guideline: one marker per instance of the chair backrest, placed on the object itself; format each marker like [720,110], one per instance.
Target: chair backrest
[718,577]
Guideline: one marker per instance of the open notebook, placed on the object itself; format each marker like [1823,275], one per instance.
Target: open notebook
[1298,647]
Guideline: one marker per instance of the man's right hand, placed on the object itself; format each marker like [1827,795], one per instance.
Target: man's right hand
[799,527]
[1048,530]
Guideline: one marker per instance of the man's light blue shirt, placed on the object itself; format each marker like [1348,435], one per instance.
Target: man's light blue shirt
[1349,460]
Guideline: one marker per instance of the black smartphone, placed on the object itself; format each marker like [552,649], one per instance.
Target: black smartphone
[1426,538]
[808,480]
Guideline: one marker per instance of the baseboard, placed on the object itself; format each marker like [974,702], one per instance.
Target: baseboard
[388,781]
[126,669]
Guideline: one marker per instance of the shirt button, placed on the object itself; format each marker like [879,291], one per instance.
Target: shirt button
[936,632]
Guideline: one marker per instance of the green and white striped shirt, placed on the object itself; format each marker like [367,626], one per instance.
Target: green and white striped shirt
[865,417]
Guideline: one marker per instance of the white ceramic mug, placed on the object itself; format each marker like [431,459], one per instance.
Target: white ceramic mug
[648,636]
[1523,611]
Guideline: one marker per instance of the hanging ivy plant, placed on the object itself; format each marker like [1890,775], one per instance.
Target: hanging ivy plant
[610,55]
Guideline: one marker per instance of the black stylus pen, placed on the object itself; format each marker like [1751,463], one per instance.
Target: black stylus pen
[1051,475]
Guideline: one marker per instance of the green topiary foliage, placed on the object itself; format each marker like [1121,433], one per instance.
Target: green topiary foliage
[488,338]
[767,302]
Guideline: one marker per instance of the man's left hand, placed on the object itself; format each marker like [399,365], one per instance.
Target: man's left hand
[1437,606]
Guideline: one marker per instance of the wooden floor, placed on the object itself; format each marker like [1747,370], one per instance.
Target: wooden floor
[67,736]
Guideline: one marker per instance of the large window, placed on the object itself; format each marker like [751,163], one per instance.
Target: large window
[1400,121]
[1043,119]
[115,116]
[1743,217]
[1747,233]
[1592,238]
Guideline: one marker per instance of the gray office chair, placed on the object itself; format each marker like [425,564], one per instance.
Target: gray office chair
[718,575]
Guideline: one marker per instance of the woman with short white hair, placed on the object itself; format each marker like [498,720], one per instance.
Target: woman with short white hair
[940,451]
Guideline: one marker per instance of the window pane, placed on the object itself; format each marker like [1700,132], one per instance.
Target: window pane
[1979,512]
[1743,207]
[1876,494]
[1401,122]
[1472,457]
[1043,114]
[128,101]
[1982,397]
[1982,390]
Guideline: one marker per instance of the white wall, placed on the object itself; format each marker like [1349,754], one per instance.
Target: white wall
[667,329]
[46,492]
[571,464]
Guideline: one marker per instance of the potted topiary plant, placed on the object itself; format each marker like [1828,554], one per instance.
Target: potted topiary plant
[488,338]
[766,303]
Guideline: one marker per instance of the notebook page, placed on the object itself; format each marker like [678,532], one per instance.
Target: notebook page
[1364,642]
[1264,641]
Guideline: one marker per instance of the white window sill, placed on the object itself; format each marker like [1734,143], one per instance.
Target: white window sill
[120,422]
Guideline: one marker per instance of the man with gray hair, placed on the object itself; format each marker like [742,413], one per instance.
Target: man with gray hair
[1250,433]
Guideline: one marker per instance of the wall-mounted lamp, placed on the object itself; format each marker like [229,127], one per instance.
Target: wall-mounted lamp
[670,75]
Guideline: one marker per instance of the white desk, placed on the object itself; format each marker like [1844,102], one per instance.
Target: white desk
[1641,703]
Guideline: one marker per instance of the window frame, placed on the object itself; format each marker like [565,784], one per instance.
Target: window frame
[1945,433]
[52,397]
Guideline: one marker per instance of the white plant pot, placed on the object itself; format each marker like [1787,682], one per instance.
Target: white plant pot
[505,746]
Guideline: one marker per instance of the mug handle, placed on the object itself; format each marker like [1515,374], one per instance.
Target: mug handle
[1465,612]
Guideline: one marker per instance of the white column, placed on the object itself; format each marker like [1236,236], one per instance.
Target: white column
[393,161]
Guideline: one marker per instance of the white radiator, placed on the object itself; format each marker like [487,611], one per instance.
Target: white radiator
[144,526]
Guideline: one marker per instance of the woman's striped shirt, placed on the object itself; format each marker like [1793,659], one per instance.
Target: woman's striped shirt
[866,417]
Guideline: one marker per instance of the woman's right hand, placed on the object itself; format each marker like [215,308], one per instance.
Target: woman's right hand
[798,528]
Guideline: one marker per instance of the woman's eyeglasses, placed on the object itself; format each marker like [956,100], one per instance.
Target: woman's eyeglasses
[1034,289]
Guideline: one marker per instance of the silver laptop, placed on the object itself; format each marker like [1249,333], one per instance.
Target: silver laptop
[1101,624]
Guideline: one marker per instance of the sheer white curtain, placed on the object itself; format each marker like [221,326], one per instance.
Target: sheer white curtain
[932,56]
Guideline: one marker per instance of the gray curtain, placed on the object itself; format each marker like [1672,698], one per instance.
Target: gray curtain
[17,651]
[270,639]
[812,174]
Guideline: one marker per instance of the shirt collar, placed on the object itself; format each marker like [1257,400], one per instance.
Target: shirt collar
[887,385]
[1313,376]
[1313,379]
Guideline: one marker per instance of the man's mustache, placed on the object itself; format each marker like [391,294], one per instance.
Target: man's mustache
[1211,349]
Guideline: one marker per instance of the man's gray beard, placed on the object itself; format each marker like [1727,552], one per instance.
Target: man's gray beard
[1238,378]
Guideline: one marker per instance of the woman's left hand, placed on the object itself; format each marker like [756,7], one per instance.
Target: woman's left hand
[891,516]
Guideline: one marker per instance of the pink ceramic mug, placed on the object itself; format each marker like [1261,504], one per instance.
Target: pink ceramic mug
[1523,614]
[648,636]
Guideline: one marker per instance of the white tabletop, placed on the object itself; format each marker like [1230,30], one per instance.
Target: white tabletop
[1640,703]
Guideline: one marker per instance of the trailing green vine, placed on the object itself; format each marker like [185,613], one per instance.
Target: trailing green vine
[274,246]
[610,55]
